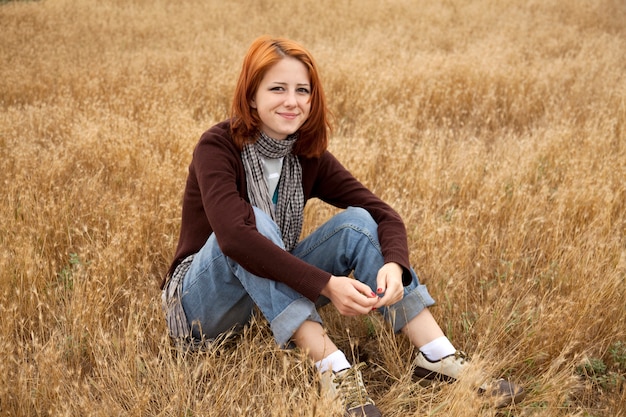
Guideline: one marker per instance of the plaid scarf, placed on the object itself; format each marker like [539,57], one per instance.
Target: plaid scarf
[170,302]
[290,206]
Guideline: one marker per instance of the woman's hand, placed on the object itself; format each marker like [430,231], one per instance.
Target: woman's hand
[389,280]
[349,296]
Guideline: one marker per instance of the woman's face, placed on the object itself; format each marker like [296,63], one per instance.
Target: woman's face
[283,99]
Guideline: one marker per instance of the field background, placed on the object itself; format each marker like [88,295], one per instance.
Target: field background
[496,128]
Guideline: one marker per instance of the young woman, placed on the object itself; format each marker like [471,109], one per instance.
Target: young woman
[249,179]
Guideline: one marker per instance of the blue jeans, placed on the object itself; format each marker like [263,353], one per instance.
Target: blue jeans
[219,294]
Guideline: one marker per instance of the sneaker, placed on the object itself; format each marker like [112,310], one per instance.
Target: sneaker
[503,392]
[449,368]
[445,369]
[347,386]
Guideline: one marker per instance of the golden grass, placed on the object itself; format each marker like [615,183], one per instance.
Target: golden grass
[496,129]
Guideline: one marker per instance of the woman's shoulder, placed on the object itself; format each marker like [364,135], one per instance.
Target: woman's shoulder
[325,165]
[218,136]
[218,131]
[328,159]
[323,158]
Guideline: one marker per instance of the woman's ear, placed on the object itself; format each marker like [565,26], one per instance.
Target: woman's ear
[252,103]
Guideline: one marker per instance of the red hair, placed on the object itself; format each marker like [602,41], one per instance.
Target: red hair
[263,53]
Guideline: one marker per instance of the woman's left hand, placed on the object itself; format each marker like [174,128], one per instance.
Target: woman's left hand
[389,283]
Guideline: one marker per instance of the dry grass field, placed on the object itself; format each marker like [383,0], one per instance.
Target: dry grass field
[496,128]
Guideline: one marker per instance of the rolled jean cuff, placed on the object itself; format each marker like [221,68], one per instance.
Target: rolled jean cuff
[410,306]
[291,318]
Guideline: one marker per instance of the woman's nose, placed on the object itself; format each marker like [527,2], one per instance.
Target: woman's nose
[290,99]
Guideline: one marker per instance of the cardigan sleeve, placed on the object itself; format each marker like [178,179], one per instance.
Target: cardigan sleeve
[335,185]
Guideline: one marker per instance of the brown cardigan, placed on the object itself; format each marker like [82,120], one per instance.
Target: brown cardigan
[215,201]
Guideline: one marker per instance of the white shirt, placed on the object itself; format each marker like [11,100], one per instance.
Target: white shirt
[271,173]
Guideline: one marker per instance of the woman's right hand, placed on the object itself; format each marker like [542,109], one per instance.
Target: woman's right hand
[350,296]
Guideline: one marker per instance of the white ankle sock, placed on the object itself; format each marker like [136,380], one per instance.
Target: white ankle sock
[438,348]
[336,361]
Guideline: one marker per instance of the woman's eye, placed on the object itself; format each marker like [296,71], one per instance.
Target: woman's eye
[277,88]
[304,90]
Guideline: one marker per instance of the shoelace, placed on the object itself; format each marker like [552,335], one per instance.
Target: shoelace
[352,388]
[459,354]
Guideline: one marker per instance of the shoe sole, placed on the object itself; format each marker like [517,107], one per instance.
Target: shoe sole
[427,374]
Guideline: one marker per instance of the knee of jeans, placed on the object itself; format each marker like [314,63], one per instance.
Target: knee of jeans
[361,218]
[267,227]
